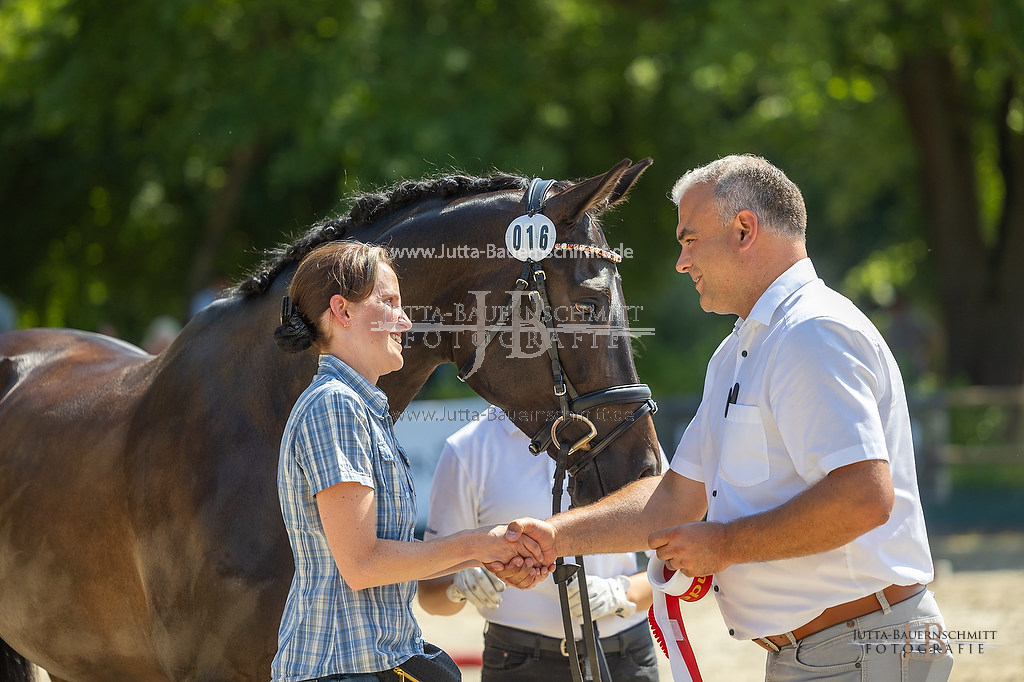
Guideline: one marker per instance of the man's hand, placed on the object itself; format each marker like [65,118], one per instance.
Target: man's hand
[477,586]
[499,545]
[606,596]
[694,549]
[525,572]
[540,533]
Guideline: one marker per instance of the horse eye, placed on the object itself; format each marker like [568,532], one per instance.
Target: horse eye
[585,310]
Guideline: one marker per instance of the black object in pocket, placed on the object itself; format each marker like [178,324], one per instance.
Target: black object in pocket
[433,665]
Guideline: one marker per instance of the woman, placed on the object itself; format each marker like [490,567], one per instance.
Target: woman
[345,486]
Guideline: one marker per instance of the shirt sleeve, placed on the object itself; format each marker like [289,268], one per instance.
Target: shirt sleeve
[825,393]
[454,496]
[333,443]
[686,461]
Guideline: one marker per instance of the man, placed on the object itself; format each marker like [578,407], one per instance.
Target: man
[800,455]
[486,472]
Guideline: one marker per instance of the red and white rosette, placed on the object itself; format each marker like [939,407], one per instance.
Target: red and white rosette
[671,588]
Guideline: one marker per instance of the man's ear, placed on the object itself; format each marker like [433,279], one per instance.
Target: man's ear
[746,221]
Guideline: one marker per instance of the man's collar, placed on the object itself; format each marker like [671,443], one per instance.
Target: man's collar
[798,274]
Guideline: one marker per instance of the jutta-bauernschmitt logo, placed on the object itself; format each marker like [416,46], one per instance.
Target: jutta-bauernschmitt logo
[523,326]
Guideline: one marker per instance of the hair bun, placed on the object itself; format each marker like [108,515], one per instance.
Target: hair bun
[294,334]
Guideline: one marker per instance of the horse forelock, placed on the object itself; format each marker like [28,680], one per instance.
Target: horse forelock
[365,209]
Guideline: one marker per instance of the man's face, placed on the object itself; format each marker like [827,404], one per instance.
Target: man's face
[707,251]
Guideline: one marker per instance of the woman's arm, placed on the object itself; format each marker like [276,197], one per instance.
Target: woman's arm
[348,512]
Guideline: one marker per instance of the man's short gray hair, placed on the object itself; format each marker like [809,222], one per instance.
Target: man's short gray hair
[746,181]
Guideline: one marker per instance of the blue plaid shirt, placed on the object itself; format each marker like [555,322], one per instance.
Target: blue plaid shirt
[340,430]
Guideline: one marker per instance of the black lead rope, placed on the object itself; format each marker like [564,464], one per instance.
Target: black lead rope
[595,667]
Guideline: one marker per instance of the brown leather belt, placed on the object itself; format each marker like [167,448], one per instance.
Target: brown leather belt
[834,615]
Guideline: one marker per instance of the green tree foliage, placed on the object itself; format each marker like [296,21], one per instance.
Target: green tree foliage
[146,147]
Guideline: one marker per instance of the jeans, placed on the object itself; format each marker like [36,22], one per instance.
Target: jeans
[902,645]
[505,662]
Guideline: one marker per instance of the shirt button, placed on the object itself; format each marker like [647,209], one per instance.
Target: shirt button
[714,493]
[731,631]
[716,588]
[744,353]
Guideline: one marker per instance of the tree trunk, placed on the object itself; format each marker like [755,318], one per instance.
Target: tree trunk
[981,286]
[223,215]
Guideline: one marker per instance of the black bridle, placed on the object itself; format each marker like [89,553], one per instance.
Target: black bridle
[573,408]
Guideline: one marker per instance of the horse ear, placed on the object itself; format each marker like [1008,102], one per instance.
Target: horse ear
[627,179]
[569,205]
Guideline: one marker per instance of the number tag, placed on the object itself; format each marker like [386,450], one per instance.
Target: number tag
[530,237]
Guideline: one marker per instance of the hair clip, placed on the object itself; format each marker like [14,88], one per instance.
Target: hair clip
[286,308]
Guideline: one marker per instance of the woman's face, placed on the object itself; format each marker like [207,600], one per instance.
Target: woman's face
[371,342]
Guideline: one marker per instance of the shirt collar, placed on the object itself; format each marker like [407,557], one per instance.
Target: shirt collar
[374,398]
[493,412]
[798,274]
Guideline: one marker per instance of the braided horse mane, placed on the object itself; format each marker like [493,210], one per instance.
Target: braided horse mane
[365,209]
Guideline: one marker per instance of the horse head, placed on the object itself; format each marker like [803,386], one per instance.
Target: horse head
[547,340]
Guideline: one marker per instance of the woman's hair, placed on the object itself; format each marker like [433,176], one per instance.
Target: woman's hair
[346,267]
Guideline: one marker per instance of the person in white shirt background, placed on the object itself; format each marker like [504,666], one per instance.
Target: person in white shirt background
[800,456]
[486,471]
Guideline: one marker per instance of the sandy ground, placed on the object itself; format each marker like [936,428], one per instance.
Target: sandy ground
[970,600]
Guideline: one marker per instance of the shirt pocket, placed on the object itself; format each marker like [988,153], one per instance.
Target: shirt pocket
[396,499]
[744,448]
[390,468]
[396,470]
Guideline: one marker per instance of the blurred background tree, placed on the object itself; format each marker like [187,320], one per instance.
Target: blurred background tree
[149,149]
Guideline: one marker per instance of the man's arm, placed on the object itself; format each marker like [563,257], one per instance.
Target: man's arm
[844,505]
[433,598]
[640,591]
[620,522]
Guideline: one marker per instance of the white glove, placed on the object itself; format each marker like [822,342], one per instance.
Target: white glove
[478,586]
[607,596]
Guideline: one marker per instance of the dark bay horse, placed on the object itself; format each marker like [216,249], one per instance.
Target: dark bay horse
[140,532]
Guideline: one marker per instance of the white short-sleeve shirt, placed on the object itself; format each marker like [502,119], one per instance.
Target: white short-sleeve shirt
[487,475]
[818,389]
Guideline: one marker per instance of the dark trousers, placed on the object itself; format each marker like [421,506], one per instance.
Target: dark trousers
[512,655]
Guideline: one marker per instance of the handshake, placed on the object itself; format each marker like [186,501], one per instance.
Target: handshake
[521,553]
[528,558]
[527,550]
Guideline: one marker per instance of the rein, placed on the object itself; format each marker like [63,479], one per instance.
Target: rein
[532,280]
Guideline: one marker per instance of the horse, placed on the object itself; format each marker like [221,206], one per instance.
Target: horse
[141,536]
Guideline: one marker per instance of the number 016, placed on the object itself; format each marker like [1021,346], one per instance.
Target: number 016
[537,237]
